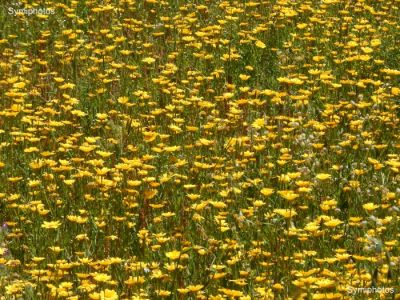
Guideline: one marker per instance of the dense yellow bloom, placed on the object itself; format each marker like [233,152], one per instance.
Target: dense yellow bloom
[199,149]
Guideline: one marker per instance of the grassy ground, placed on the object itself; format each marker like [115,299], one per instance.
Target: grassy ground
[199,149]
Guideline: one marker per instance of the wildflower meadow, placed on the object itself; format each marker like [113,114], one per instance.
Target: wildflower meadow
[199,149]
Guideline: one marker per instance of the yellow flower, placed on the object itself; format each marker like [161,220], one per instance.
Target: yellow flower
[134,182]
[375,42]
[286,213]
[163,293]
[325,283]
[82,237]
[206,142]
[104,154]
[19,85]
[258,123]
[367,50]
[137,280]
[51,224]
[101,116]
[231,293]
[67,86]
[77,219]
[240,281]
[302,25]
[202,252]
[332,223]
[149,136]
[278,286]
[323,176]
[288,195]
[56,249]
[395,91]
[295,81]
[217,276]
[244,77]
[267,191]
[123,100]
[104,295]
[148,60]
[69,181]
[3,251]
[38,259]
[173,255]
[101,277]
[218,204]
[260,44]
[370,206]
[79,113]
[87,148]
[228,95]
[195,288]
[149,194]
